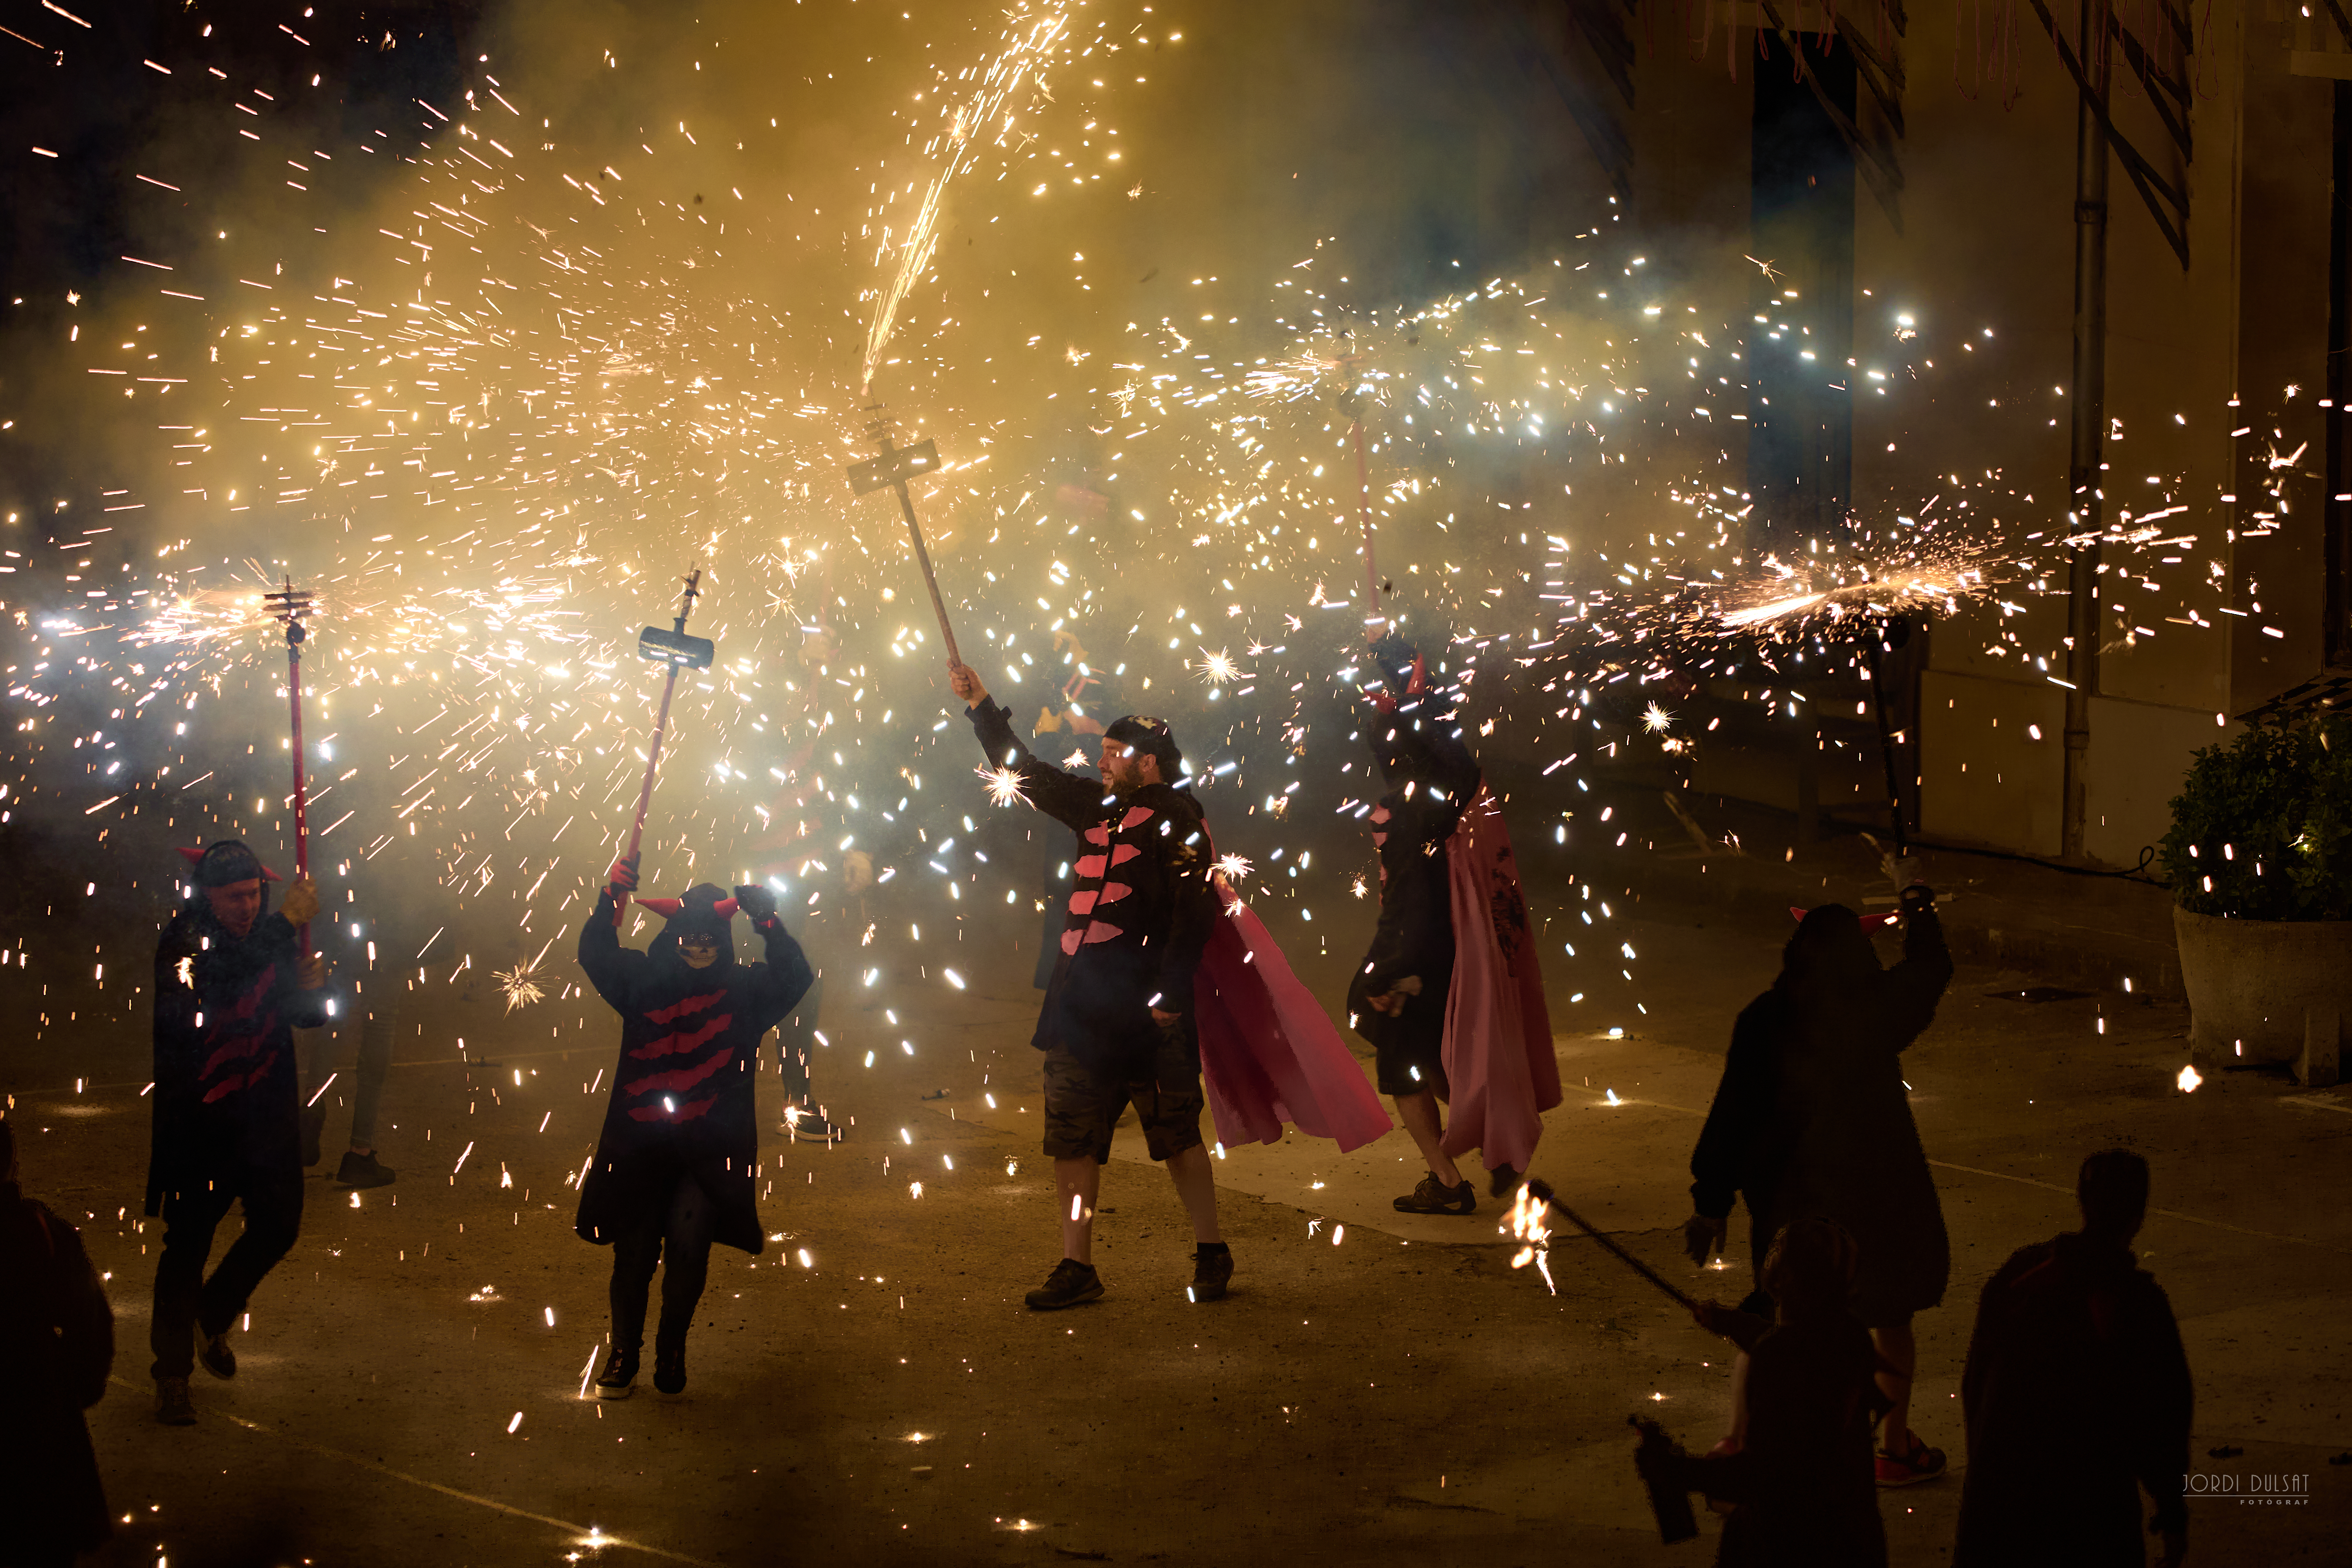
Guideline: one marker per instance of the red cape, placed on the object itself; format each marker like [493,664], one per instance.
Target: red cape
[1268,1054]
[1499,1051]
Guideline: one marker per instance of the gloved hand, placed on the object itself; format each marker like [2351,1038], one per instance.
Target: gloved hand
[302,901]
[757,902]
[1702,1238]
[622,877]
[310,974]
[1916,897]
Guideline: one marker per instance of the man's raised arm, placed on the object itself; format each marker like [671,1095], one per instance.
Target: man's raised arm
[1068,799]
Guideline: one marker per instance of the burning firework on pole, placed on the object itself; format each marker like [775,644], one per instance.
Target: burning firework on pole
[289,604]
[1351,403]
[890,470]
[677,651]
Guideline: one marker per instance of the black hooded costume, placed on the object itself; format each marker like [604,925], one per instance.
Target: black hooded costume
[682,1103]
[1431,779]
[2077,1394]
[226,1122]
[1140,910]
[1810,1118]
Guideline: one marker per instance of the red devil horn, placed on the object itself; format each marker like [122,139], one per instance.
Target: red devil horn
[195,856]
[724,909]
[662,907]
[1797,914]
[269,876]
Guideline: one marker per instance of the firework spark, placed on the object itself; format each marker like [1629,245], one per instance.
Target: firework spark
[1220,668]
[1004,785]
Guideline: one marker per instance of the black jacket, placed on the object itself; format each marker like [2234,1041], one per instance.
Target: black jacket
[1812,1119]
[1140,906]
[226,1100]
[58,1333]
[2077,1394]
[1433,781]
[682,1102]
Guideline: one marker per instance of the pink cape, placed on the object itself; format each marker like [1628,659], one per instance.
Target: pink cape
[1268,1054]
[1499,1051]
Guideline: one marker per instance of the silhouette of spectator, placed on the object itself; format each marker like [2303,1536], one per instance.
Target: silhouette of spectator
[2076,1394]
[58,1333]
[1800,1478]
[1811,1119]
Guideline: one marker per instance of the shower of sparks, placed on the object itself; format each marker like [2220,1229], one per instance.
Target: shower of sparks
[1033,35]
[1656,719]
[1231,868]
[1004,785]
[1528,1229]
[2189,1079]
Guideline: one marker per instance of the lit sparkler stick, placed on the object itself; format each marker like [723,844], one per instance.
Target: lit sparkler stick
[677,651]
[292,604]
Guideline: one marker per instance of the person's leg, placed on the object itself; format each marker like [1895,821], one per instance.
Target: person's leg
[1899,1354]
[189,1221]
[686,1258]
[377,1033]
[273,1219]
[1196,1185]
[1419,1114]
[1078,1182]
[637,1249]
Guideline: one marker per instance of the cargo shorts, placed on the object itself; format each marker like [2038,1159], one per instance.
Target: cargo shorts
[1083,1105]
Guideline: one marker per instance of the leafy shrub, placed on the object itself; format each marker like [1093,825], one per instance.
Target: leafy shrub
[2263,826]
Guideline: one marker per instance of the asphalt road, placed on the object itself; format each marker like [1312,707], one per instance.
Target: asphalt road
[1374,1390]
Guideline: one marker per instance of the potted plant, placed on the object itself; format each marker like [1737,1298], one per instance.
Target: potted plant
[2259,856]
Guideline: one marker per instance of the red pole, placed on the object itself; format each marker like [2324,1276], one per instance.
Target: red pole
[646,794]
[1372,616]
[294,637]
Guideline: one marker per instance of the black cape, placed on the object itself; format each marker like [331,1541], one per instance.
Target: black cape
[58,1333]
[682,1098]
[1812,1119]
[228,1103]
[2077,1394]
[1433,780]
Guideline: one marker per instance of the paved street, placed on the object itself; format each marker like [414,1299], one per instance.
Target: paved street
[1375,1389]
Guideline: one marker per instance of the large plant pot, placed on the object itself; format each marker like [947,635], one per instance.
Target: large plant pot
[2266,991]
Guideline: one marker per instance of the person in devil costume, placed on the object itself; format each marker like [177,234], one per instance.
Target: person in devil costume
[1118,1026]
[1397,998]
[232,984]
[674,1166]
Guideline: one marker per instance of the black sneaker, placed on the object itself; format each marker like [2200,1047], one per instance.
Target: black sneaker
[1499,1182]
[1070,1283]
[1211,1270]
[173,1406]
[314,1123]
[669,1368]
[802,1122]
[619,1378]
[219,1359]
[1433,1196]
[360,1170]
